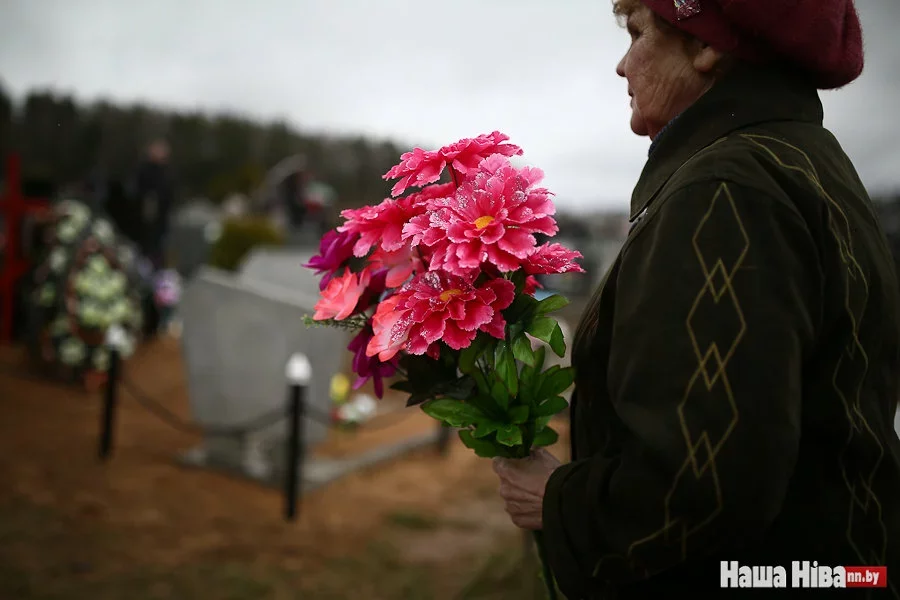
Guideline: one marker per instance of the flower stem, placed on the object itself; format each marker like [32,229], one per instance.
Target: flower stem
[547,573]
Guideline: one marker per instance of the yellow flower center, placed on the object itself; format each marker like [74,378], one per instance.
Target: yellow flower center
[482,222]
[445,296]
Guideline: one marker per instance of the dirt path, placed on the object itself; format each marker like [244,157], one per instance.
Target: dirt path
[72,522]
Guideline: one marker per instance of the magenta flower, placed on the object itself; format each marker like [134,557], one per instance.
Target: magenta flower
[335,249]
[369,367]
[421,167]
[440,306]
[552,259]
[491,219]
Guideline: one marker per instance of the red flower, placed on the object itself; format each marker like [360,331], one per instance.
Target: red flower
[421,167]
[532,285]
[438,306]
[491,219]
[551,259]
[380,225]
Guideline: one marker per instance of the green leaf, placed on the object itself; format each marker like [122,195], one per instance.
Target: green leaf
[557,343]
[518,278]
[552,406]
[458,389]
[481,382]
[485,428]
[509,435]
[403,386]
[546,437]
[428,378]
[555,381]
[518,414]
[522,350]
[541,422]
[454,413]
[500,394]
[482,448]
[541,328]
[505,368]
[539,355]
[551,303]
[521,310]
[469,356]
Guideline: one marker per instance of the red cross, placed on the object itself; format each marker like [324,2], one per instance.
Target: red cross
[14,207]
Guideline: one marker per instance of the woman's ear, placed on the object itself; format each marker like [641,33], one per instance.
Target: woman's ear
[707,59]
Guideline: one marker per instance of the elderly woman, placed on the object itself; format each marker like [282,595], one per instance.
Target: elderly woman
[737,372]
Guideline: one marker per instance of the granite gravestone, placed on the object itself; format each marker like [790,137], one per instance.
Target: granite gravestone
[239,332]
[237,338]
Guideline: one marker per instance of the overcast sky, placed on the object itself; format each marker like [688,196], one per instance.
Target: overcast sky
[419,71]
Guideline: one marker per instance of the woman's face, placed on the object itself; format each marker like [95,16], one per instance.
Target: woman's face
[662,78]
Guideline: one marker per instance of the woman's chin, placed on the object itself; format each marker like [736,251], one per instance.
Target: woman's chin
[639,127]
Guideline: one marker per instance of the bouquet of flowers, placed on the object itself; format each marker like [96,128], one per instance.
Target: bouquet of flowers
[439,283]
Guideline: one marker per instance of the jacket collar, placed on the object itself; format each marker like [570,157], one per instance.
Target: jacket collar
[746,96]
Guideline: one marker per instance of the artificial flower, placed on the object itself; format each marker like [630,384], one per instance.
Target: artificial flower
[388,335]
[441,306]
[335,249]
[421,167]
[380,225]
[552,259]
[341,296]
[491,219]
[369,367]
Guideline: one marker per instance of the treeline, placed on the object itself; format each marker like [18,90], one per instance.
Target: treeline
[64,142]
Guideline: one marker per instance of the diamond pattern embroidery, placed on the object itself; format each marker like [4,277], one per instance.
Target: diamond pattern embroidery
[685,9]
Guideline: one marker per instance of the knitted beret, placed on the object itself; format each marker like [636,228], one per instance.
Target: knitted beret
[821,37]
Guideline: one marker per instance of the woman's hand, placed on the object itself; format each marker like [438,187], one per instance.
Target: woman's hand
[522,484]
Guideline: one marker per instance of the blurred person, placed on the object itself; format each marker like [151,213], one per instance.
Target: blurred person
[292,191]
[122,210]
[737,371]
[155,194]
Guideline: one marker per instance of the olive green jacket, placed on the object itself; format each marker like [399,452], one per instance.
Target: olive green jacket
[737,371]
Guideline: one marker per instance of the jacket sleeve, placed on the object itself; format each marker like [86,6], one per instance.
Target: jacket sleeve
[716,305]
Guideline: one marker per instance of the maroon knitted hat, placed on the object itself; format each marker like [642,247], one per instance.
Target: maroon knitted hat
[822,37]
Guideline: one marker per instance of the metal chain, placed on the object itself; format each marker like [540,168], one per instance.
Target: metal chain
[262,421]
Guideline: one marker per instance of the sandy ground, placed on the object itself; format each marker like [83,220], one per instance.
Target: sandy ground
[418,527]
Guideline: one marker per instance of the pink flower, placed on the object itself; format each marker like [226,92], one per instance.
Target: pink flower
[491,219]
[387,337]
[421,167]
[466,154]
[553,259]
[532,285]
[369,367]
[398,265]
[438,306]
[341,296]
[416,168]
[381,225]
[335,249]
